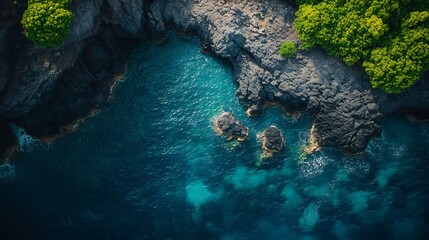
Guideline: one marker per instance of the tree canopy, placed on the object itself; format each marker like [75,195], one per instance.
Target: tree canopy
[390,37]
[47,22]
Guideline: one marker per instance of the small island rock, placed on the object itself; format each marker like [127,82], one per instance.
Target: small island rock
[227,124]
[272,140]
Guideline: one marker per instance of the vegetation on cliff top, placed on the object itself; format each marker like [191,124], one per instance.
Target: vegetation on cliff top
[287,49]
[389,37]
[47,22]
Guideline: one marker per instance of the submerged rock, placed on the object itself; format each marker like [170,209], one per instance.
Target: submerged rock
[359,200]
[227,124]
[309,218]
[197,194]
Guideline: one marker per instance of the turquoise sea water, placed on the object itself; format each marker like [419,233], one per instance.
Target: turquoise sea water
[149,166]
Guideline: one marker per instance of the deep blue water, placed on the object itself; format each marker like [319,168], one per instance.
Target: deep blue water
[149,166]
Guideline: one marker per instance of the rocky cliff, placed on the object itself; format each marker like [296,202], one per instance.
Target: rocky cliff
[42,90]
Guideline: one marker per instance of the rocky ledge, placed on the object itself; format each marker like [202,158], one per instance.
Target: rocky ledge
[227,124]
[42,90]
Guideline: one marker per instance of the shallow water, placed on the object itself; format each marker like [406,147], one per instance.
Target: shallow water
[149,166]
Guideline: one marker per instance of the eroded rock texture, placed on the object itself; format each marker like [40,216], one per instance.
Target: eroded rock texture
[227,124]
[272,139]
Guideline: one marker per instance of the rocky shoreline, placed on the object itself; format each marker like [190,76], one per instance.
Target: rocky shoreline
[43,90]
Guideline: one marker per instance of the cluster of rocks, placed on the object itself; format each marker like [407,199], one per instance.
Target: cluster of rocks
[228,125]
[43,90]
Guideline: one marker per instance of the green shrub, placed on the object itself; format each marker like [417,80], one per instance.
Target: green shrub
[398,65]
[287,49]
[348,30]
[389,36]
[47,23]
[62,3]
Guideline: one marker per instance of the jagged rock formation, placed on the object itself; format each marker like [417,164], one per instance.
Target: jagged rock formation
[272,140]
[44,89]
[227,124]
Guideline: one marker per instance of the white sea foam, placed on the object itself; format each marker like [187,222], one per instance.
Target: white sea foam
[374,147]
[314,166]
[358,167]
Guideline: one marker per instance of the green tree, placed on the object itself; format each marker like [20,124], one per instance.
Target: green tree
[47,23]
[287,49]
[62,3]
[346,29]
[385,34]
[400,63]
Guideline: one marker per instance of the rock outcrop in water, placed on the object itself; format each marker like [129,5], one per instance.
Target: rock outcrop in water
[272,140]
[227,124]
[42,90]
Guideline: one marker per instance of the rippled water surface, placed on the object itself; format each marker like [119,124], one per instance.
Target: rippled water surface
[150,167]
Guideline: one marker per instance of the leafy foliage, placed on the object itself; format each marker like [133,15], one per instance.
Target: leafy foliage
[47,22]
[62,3]
[398,65]
[389,36]
[348,30]
[287,49]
